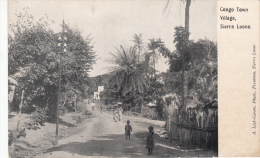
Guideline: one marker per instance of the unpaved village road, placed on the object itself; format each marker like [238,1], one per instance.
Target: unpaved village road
[103,137]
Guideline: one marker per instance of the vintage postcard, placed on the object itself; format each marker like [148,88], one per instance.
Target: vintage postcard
[133,78]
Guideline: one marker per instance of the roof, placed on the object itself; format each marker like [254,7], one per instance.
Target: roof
[196,104]
[151,104]
[74,90]
[212,105]
[22,72]
[192,104]
[12,81]
[174,96]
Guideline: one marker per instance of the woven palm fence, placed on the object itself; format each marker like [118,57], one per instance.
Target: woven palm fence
[194,127]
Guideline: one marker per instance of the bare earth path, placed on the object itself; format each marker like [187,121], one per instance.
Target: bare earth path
[103,137]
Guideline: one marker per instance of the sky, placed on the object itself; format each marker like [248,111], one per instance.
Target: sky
[112,23]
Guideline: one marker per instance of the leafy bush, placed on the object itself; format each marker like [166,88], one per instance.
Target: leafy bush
[63,110]
[37,119]
[126,107]
[149,113]
[28,108]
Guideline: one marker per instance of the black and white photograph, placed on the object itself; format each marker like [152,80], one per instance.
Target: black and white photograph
[95,78]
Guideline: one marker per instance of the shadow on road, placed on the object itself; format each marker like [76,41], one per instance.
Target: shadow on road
[111,145]
[118,146]
[66,123]
[10,116]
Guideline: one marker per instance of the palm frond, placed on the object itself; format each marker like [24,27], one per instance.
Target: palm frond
[128,72]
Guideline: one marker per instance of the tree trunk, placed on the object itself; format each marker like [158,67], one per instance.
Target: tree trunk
[182,82]
[76,103]
[20,110]
[154,67]
[187,15]
[184,77]
[142,109]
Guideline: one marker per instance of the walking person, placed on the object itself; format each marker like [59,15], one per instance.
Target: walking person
[128,129]
[93,106]
[101,107]
[149,141]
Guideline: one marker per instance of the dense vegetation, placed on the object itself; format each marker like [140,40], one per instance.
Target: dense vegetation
[135,81]
[34,60]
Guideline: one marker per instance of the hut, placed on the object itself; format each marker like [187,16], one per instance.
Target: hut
[12,84]
[96,96]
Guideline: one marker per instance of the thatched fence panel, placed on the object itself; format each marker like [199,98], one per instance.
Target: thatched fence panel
[194,127]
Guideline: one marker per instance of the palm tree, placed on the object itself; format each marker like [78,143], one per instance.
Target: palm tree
[129,74]
[139,45]
[187,12]
[184,78]
[155,48]
[152,46]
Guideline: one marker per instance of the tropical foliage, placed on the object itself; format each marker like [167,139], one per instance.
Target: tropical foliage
[182,45]
[34,59]
[34,56]
[129,74]
[134,79]
[200,65]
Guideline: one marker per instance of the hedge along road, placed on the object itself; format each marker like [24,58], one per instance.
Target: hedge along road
[103,137]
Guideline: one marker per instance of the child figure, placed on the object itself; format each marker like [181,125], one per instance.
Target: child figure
[149,141]
[128,129]
[93,106]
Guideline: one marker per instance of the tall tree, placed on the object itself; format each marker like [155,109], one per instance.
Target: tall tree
[78,59]
[186,36]
[156,48]
[205,69]
[152,53]
[33,55]
[201,69]
[139,45]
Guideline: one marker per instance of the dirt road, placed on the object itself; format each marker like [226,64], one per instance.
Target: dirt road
[103,137]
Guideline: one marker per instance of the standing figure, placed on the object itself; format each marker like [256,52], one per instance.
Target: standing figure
[120,113]
[115,115]
[101,107]
[93,106]
[106,103]
[149,141]
[128,129]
